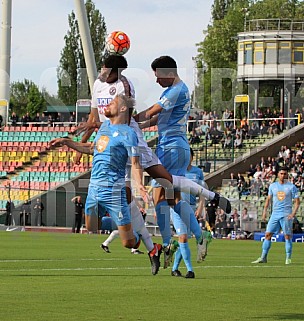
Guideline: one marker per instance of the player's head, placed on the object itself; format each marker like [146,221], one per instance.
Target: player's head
[165,69]
[121,106]
[283,173]
[112,68]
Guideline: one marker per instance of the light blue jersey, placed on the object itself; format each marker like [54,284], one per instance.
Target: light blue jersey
[109,162]
[173,149]
[282,195]
[197,176]
[172,120]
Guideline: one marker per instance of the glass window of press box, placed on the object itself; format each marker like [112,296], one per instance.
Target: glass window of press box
[271,52]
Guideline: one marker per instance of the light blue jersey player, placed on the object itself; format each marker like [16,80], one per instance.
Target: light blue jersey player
[282,194]
[196,175]
[114,143]
[170,114]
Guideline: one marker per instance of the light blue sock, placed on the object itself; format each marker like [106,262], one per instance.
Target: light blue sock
[288,248]
[162,210]
[265,248]
[183,207]
[186,254]
[177,259]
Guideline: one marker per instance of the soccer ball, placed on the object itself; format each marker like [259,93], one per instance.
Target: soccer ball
[117,43]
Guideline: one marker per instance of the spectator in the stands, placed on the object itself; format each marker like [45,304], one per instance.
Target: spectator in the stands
[238,142]
[274,166]
[245,215]
[260,116]
[44,118]
[292,122]
[205,115]
[244,127]
[299,183]
[264,128]
[254,115]
[258,172]
[14,119]
[272,128]
[50,121]
[59,119]
[221,223]
[233,179]
[253,130]
[256,186]
[268,114]
[240,180]
[227,143]
[251,171]
[204,127]
[233,221]
[72,118]
[225,117]
[37,119]
[239,131]
[219,126]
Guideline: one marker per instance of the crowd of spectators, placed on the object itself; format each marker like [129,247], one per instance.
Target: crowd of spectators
[210,126]
[43,119]
[262,174]
[255,182]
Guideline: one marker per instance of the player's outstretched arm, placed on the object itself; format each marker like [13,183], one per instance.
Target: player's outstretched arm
[87,128]
[86,148]
[148,114]
[149,123]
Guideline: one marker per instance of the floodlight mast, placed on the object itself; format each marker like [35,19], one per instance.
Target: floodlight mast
[5,58]
[86,41]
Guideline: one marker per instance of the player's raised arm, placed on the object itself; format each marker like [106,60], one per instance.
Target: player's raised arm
[86,148]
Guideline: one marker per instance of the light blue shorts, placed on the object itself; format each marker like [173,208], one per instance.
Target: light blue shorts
[174,159]
[102,200]
[276,223]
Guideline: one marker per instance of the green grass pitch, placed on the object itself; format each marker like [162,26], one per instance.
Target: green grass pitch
[53,276]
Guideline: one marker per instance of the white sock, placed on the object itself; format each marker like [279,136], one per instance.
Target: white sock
[111,238]
[138,225]
[186,185]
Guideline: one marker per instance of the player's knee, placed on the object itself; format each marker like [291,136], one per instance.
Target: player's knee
[91,223]
[183,238]
[268,236]
[129,244]
[287,237]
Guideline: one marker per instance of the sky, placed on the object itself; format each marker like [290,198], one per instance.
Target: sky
[155,28]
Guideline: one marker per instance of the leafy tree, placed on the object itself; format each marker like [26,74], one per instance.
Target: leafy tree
[217,56]
[26,97]
[72,84]
[217,53]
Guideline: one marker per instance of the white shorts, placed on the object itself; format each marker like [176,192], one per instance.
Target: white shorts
[147,157]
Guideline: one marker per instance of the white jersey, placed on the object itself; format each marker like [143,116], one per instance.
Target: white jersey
[103,93]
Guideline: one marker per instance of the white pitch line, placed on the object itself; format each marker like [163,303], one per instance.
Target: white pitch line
[132,268]
[57,260]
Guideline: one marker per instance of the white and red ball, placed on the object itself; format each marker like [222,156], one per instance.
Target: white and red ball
[117,43]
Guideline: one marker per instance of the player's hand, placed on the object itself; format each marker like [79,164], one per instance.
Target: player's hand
[84,128]
[144,194]
[57,142]
[290,217]
[77,158]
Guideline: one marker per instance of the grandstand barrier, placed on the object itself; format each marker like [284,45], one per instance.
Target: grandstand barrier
[298,238]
